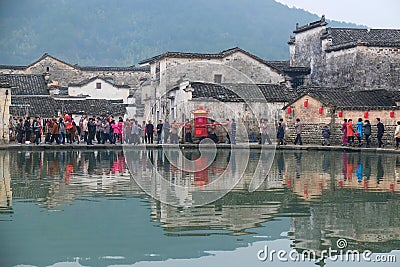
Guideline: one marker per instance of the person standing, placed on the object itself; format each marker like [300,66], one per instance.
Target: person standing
[47,131]
[106,132]
[345,141]
[85,128]
[135,133]
[367,132]
[144,133]
[359,133]
[150,132]
[188,132]
[62,130]
[159,131]
[166,129]
[397,135]
[121,128]
[36,130]
[264,131]
[98,129]
[28,130]
[20,131]
[228,125]
[174,132]
[326,134]
[55,132]
[280,133]
[233,132]
[283,124]
[299,127]
[381,130]
[350,132]
[91,131]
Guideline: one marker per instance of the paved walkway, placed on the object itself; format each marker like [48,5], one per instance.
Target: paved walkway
[82,146]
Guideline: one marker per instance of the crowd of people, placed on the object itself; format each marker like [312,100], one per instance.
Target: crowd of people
[64,129]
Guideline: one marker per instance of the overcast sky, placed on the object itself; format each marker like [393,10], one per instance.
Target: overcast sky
[372,13]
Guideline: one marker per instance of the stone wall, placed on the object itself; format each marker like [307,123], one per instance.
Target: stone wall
[307,50]
[359,67]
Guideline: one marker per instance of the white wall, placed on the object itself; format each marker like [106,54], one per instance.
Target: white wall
[107,91]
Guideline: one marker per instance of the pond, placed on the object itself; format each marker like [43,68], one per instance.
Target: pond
[92,208]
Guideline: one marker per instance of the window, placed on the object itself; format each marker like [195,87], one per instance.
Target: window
[217,78]
[98,85]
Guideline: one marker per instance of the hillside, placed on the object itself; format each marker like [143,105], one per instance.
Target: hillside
[123,32]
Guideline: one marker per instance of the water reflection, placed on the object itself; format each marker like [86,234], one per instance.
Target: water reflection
[86,204]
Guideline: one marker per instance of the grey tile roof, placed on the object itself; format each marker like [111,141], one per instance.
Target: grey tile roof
[86,81]
[284,66]
[129,68]
[26,84]
[233,92]
[351,99]
[46,107]
[12,67]
[82,68]
[348,37]
[219,55]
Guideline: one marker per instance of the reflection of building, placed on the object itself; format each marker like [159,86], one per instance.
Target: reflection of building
[235,216]
[369,219]
[5,181]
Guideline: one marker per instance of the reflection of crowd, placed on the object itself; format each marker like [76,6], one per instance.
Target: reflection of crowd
[65,164]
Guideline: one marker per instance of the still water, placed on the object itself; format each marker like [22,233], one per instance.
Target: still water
[85,208]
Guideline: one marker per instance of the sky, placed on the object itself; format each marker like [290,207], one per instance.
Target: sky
[372,13]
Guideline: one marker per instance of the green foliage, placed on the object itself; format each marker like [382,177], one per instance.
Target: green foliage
[123,32]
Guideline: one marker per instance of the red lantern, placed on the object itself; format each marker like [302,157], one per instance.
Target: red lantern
[340,113]
[391,187]
[366,114]
[306,103]
[391,114]
[289,110]
[320,110]
[305,190]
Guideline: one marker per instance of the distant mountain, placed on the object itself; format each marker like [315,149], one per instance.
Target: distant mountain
[123,32]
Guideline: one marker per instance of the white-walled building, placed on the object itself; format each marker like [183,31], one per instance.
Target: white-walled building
[100,88]
[232,66]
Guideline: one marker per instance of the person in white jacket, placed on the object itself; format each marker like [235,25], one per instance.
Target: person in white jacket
[397,135]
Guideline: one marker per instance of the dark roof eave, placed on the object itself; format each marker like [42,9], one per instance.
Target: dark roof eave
[338,47]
